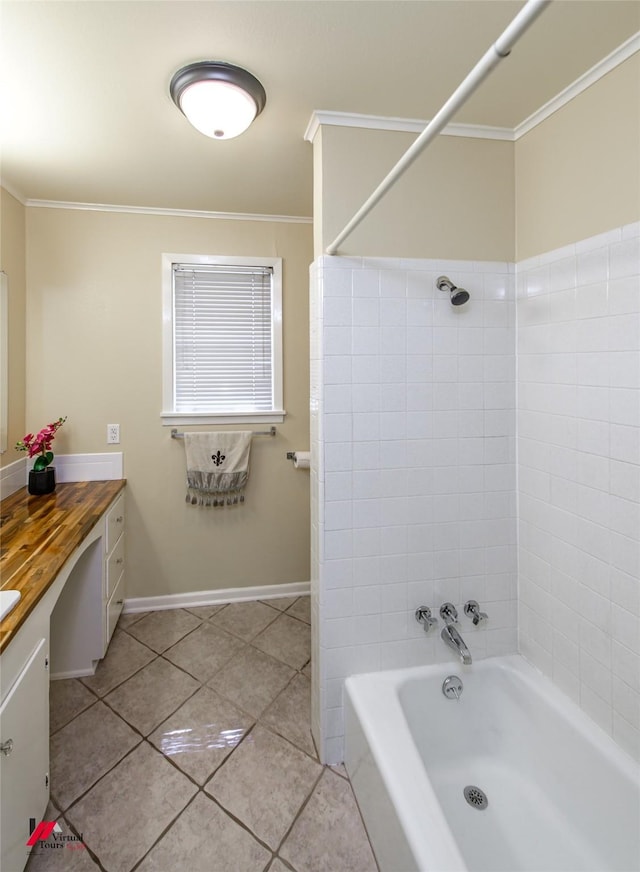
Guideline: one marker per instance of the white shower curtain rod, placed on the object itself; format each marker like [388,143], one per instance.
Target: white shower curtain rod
[499,50]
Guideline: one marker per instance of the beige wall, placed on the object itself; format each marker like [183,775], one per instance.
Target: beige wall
[578,173]
[12,262]
[455,201]
[94,319]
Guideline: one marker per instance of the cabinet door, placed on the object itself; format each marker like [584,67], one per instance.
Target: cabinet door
[24,789]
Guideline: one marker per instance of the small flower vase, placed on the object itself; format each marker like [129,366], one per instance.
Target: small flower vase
[42,481]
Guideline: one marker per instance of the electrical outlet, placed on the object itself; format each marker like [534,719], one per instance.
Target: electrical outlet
[113,434]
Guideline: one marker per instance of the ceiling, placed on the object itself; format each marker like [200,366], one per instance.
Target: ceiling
[87,115]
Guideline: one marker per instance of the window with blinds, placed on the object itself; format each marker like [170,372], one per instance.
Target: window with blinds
[226,355]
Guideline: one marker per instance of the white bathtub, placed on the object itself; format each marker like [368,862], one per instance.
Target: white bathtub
[561,795]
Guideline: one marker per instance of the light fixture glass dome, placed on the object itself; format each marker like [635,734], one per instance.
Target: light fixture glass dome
[219,99]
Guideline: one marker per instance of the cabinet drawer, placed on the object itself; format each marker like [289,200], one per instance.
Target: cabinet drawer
[114,607]
[115,523]
[115,566]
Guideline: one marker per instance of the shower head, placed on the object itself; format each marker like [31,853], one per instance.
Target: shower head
[458,295]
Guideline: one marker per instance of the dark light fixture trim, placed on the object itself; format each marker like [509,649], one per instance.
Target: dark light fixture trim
[217,71]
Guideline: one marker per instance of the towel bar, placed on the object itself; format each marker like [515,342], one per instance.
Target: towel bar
[270,432]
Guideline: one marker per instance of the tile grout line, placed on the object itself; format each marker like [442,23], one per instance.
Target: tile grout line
[239,822]
[162,834]
[76,715]
[272,729]
[300,810]
[173,644]
[64,811]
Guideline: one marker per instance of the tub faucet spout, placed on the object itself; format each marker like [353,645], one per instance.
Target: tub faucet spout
[454,640]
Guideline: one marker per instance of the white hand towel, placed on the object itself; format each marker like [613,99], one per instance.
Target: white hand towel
[217,467]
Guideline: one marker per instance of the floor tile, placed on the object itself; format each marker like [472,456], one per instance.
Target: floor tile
[161,630]
[128,809]
[252,680]
[289,715]
[205,839]
[151,695]
[201,734]
[205,612]
[204,651]
[281,603]
[245,620]
[301,609]
[67,698]
[129,620]
[264,783]
[124,657]
[329,834]
[85,749]
[134,808]
[288,640]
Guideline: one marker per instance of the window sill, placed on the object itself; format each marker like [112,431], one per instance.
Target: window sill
[175,418]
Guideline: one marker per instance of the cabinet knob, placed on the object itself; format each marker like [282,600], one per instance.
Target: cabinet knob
[7,747]
[119,602]
[119,519]
[120,560]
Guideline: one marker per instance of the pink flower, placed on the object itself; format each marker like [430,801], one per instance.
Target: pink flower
[40,444]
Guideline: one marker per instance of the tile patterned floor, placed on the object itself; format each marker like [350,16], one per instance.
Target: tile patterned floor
[190,750]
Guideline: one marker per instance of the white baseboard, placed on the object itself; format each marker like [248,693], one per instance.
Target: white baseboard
[13,477]
[215,597]
[74,673]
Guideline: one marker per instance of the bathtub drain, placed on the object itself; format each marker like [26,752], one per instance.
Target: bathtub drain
[476,797]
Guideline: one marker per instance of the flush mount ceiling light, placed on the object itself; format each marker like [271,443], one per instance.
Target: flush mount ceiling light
[219,99]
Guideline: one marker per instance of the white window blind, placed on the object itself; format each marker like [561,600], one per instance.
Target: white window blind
[223,343]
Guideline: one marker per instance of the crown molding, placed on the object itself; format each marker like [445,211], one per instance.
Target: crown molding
[171,213]
[405,125]
[610,62]
[479,131]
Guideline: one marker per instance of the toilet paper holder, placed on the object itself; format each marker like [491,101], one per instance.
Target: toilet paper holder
[300,459]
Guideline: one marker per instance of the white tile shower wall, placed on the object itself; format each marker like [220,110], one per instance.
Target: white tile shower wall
[413,466]
[578,324]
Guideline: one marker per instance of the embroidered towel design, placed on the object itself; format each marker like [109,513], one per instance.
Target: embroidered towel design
[217,467]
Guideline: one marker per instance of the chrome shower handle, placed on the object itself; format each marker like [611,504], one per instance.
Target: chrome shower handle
[449,613]
[423,616]
[472,610]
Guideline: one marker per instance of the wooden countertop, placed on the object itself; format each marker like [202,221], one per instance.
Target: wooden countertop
[38,534]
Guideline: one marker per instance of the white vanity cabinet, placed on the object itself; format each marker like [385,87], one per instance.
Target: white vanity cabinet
[64,553]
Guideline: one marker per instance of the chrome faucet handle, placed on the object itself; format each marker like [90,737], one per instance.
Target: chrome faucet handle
[449,613]
[423,616]
[472,610]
